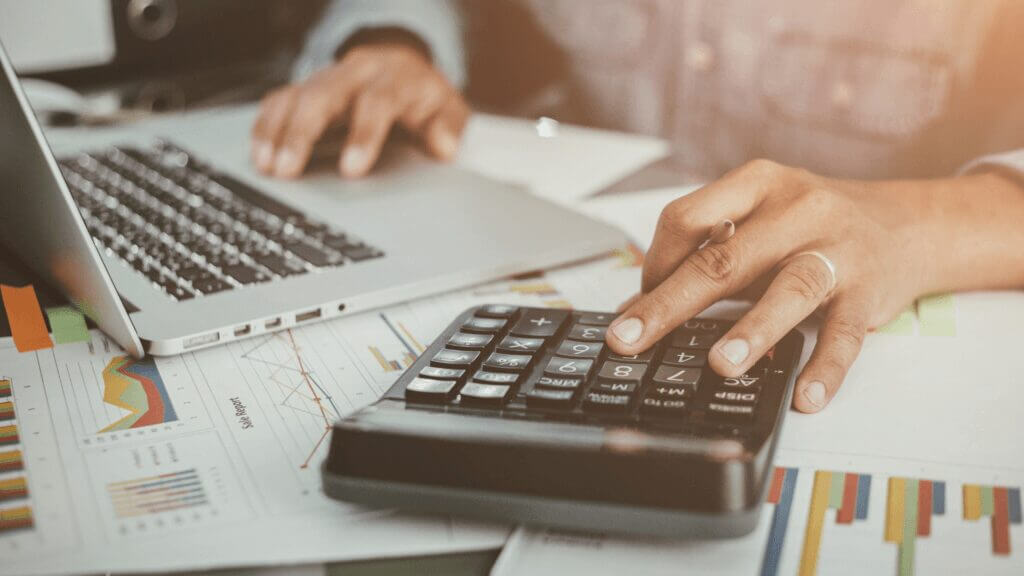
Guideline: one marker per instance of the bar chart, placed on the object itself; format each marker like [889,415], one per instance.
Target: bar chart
[998,503]
[910,505]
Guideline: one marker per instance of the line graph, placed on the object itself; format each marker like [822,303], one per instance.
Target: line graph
[301,391]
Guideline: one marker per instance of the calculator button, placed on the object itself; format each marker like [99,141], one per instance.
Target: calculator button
[497,311]
[474,393]
[573,349]
[454,358]
[548,398]
[595,319]
[520,345]
[643,357]
[559,383]
[670,391]
[736,397]
[540,323]
[568,367]
[662,406]
[747,381]
[706,325]
[506,378]
[730,411]
[676,376]
[610,387]
[600,402]
[591,333]
[622,372]
[691,339]
[442,373]
[429,390]
[469,341]
[685,357]
[484,325]
[499,361]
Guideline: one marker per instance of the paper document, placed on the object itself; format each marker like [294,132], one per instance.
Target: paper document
[914,468]
[211,459]
[562,164]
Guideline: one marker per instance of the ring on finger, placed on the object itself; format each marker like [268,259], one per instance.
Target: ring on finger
[829,265]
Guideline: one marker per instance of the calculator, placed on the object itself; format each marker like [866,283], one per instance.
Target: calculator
[525,415]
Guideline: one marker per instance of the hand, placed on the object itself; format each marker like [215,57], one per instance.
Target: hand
[374,87]
[890,242]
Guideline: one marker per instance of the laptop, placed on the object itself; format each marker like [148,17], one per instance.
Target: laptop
[165,237]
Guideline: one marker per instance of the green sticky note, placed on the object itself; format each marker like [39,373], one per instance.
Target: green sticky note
[902,324]
[67,324]
[937,315]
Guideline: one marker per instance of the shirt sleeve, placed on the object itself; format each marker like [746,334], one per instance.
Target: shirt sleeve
[436,22]
[1010,163]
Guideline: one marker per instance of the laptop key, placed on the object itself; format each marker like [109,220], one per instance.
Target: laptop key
[311,254]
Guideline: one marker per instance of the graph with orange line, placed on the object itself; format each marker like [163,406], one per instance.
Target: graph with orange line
[299,389]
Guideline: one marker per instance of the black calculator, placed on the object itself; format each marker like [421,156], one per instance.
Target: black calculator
[525,415]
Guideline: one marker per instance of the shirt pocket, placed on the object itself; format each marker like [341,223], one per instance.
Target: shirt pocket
[856,87]
[598,33]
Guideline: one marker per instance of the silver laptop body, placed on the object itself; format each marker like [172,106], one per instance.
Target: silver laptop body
[437,228]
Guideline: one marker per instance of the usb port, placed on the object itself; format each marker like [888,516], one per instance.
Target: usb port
[243,330]
[201,340]
[306,316]
[272,323]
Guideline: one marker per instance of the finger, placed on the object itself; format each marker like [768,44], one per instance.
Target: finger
[421,99]
[839,343]
[443,132]
[706,276]
[800,287]
[266,131]
[320,102]
[685,223]
[373,115]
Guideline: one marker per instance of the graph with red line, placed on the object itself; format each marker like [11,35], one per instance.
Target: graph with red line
[298,388]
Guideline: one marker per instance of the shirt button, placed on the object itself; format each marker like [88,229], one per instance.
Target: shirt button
[700,57]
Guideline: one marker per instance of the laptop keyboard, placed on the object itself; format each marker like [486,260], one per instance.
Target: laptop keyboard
[193,231]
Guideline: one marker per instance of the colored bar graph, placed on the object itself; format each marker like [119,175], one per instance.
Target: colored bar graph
[15,519]
[5,388]
[8,435]
[67,324]
[6,411]
[780,493]
[1001,505]
[25,317]
[11,461]
[832,490]
[155,494]
[910,505]
[12,488]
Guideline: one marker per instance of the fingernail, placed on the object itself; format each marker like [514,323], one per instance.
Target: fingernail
[264,153]
[629,330]
[814,393]
[447,145]
[353,162]
[287,163]
[735,351]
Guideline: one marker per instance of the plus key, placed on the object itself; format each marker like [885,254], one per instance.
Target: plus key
[540,323]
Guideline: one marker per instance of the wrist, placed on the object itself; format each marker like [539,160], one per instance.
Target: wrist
[964,233]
